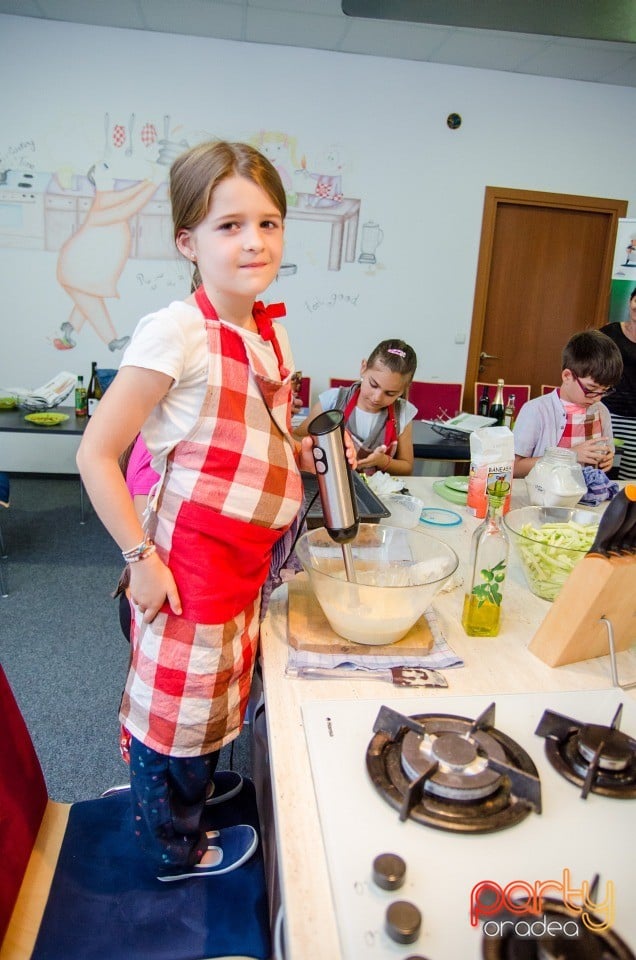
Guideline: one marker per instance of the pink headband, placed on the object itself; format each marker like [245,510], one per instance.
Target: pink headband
[397,352]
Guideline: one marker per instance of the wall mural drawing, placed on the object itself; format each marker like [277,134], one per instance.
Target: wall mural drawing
[95,222]
[315,195]
[92,260]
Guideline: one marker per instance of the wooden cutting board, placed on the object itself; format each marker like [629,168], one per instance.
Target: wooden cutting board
[573,629]
[308,629]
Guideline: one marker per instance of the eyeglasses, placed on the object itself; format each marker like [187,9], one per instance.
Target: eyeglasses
[593,393]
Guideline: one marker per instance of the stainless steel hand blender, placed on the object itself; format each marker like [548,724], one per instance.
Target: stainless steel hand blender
[335,483]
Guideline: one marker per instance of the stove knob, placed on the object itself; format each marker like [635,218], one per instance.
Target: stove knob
[389,871]
[403,921]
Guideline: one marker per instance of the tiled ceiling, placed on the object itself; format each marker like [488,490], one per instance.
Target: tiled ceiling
[321,24]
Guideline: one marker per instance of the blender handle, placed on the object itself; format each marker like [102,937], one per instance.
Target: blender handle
[335,482]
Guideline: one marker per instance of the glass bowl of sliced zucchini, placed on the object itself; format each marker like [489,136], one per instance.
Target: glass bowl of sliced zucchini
[550,542]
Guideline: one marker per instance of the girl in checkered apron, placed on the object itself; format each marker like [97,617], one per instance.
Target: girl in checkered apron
[377,414]
[208,382]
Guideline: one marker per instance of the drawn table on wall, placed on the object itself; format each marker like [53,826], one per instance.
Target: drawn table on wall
[345,214]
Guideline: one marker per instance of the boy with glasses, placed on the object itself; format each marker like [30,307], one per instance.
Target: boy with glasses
[572,415]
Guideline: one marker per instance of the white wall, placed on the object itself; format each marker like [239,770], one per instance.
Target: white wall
[421,182]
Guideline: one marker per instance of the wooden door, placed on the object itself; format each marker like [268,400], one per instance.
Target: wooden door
[544,272]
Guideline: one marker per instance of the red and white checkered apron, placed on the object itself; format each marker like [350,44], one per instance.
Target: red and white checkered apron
[230,490]
[582,423]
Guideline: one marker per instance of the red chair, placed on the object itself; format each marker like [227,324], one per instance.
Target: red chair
[436,401]
[338,382]
[72,872]
[521,393]
[305,391]
[547,388]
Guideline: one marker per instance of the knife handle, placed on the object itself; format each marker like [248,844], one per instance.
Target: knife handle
[607,535]
[341,673]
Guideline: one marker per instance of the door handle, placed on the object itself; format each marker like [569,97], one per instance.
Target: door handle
[488,356]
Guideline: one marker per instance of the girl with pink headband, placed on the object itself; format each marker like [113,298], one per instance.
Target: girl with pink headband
[377,414]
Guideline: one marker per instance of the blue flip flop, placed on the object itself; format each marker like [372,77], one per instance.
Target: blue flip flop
[233,845]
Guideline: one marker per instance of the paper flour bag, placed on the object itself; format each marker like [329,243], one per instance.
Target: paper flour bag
[492,455]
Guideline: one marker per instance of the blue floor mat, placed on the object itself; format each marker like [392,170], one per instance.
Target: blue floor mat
[106,903]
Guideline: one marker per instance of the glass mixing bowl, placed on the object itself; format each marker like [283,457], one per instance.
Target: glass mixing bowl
[398,572]
[550,542]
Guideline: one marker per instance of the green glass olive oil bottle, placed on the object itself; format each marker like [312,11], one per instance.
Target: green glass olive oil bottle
[486,573]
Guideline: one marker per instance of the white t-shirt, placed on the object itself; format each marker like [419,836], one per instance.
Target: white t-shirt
[366,421]
[173,341]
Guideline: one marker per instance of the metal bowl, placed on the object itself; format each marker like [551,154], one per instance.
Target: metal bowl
[398,572]
[547,566]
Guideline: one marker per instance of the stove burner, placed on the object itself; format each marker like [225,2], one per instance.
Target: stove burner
[462,771]
[589,945]
[452,773]
[596,758]
[612,745]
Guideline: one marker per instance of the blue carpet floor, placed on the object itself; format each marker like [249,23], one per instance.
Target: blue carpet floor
[60,641]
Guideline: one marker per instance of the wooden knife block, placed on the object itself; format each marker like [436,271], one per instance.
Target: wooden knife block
[573,630]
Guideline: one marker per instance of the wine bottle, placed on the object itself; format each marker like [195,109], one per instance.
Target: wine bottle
[94,391]
[484,403]
[487,571]
[509,412]
[497,407]
[80,398]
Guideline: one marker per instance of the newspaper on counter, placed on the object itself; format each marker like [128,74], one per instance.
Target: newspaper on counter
[49,395]
[468,422]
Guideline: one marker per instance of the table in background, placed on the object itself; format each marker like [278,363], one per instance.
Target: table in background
[12,421]
[428,444]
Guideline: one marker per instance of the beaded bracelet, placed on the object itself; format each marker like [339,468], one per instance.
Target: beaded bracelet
[144,549]
[148,552]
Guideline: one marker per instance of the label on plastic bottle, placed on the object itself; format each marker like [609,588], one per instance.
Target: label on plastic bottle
[492,457]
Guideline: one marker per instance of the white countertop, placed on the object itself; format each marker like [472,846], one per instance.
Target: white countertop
[492,665]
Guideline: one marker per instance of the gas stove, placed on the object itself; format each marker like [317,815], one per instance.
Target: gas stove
[476,827]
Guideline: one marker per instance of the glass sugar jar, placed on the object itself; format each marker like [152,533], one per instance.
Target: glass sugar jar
[556,480]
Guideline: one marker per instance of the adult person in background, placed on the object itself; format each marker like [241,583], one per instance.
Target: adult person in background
[622,402]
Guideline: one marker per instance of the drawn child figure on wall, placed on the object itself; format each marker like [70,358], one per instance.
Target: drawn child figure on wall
[92,260]
[328,189]
[280,150]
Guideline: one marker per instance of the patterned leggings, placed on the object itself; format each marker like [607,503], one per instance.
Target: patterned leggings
[168,799]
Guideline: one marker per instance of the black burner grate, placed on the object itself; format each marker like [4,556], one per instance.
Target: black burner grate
[452,773]
[598,759]
[588,945]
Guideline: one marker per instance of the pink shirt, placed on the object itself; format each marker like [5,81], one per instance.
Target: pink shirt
[140,477]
